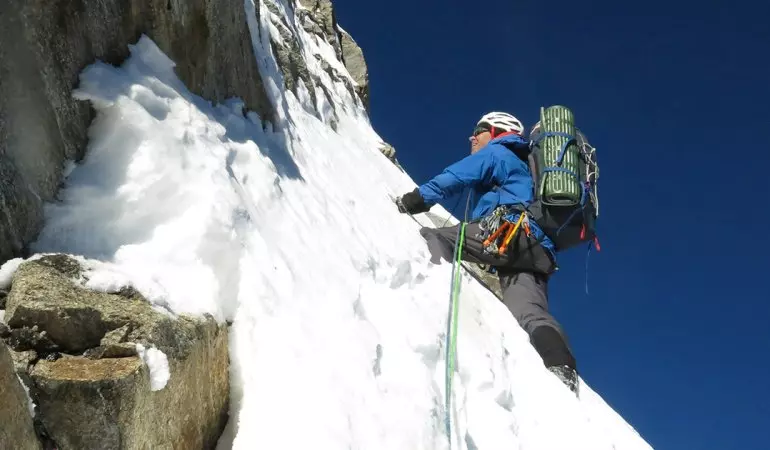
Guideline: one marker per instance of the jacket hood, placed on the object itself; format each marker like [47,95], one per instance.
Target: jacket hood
[514,143]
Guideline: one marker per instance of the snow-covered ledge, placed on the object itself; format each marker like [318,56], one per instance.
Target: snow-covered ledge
[91,346]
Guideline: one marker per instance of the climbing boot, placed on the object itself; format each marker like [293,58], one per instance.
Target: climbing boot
[567,375]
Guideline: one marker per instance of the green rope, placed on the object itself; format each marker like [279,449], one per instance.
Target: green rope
[454,307]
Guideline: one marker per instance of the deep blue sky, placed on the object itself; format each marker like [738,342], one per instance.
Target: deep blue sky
[675,333]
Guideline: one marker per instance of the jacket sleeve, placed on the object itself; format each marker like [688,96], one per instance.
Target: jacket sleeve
[471,170]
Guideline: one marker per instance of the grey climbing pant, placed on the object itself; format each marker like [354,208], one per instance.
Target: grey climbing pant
[526,296]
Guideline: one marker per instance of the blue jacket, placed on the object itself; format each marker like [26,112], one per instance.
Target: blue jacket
[495,177]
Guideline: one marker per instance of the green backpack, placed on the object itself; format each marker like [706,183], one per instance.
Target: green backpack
[565,173]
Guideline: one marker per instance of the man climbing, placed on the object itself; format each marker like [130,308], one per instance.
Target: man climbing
[500,233]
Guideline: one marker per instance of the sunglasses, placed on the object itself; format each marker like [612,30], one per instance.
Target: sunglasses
[480,129]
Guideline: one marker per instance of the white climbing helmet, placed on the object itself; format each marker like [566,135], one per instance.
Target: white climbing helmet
[502,121]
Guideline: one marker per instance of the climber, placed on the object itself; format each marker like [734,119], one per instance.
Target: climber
[500,233]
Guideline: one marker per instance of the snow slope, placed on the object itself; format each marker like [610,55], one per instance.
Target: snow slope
[338,317]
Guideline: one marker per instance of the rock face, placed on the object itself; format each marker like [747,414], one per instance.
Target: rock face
[79,353]
[353,57]
[490,280]
[44,45]
[16,429]
[288,53]
[322,22]
[390,152]
[318,18]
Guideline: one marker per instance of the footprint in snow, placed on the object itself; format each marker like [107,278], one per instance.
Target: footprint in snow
[150,102]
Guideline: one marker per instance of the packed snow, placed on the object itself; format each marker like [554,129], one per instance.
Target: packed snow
[30,403]
[157,363]
[338,317]
[7,271]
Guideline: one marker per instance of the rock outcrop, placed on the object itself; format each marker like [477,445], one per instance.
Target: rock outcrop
[16,428]
[390,152]
[318,18]
[288,53]
[353,57]
[44,45]
[109,370]
[322,22]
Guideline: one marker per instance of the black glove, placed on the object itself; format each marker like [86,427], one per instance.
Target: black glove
[412,203]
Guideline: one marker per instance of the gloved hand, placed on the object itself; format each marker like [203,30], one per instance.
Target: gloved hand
[412,203]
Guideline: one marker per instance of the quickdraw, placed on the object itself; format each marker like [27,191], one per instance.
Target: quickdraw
[496,227]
